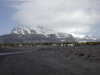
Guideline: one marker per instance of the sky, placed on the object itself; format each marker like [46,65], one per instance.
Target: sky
[69,16]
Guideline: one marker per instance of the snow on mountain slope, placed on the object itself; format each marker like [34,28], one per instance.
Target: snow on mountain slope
[89,37]
[43,30]
[24,30]
[84,38]
[78,36]
[63,35]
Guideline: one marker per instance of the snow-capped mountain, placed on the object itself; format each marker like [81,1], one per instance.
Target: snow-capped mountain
[84,38]
[29,34]
[89,37]
[25,30]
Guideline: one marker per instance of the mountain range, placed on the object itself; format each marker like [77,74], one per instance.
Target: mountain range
[29,34]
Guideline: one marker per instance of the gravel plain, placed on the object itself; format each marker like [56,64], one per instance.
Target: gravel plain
[49,60]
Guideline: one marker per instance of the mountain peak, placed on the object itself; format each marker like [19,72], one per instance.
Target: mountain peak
[47,32]
[23,30]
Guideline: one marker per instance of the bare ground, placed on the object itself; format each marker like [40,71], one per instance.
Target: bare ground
[47,60]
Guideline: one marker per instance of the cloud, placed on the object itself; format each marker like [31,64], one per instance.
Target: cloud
[71,16]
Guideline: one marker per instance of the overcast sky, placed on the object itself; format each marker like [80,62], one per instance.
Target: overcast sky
[69,16]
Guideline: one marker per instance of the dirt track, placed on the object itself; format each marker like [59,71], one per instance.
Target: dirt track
[50,61]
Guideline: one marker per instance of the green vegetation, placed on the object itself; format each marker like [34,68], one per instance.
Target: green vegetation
[47,44]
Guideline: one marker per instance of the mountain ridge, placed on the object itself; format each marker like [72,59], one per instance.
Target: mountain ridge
[31,34]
